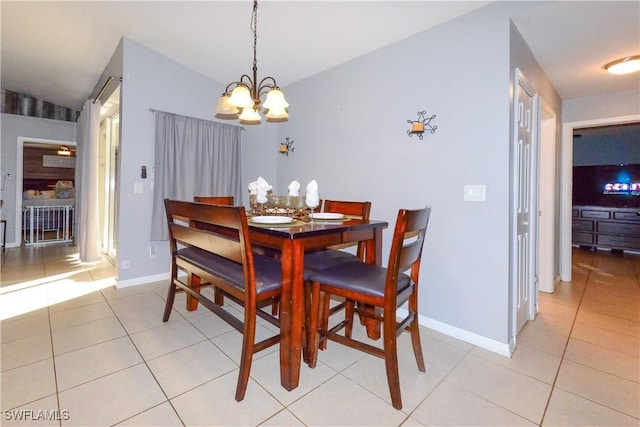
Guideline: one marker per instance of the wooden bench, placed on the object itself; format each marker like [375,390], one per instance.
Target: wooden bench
[211,244]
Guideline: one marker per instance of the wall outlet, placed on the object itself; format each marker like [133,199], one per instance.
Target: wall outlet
[152,252]
[126,264]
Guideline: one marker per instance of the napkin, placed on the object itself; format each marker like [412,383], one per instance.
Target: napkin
[253,187]
[263,188]
[294,188]
[312,199]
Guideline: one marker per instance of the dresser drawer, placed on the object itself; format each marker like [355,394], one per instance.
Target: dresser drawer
[629,216]
[578,237]
[596,214]
[624,228]
[625,242]
[582,225]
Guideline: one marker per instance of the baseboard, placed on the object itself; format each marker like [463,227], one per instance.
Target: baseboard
[503,349]
[141,280]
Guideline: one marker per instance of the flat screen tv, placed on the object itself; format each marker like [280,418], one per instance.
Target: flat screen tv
[616,186]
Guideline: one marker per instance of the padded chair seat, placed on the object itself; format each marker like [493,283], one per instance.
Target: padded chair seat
[267,270]
[319,260]
[360,277]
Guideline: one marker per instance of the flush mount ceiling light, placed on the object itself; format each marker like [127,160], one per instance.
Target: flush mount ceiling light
[244,99]
[64,151]
[624,65]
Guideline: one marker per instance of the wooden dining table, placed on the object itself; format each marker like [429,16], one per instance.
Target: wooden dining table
[293,241]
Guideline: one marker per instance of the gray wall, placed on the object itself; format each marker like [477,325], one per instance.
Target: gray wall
[350,124]
[13,127]
[611,145]
[151,80]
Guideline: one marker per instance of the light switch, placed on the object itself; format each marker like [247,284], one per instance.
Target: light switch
[474,193]
[137,188]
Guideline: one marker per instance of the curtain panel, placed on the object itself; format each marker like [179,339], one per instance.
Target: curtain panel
[87,235]
[193,157]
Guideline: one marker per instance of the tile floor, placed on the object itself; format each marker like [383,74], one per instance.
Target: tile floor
[77,349]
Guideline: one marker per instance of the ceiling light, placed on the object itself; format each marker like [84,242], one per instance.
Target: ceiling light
[64,151]
[624,65]
[244,99]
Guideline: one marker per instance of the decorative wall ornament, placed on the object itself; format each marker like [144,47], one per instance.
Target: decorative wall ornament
[286,146]
[418,127]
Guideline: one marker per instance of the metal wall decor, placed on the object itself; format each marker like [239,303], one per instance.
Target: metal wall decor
[418,127]
[286,146]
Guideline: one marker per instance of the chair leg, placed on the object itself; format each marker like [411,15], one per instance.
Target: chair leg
[194,283]
[171,295]
[313,336]
[415,342]
[324,318]
[391,361]
[248,341]
[348,315]
[218,297]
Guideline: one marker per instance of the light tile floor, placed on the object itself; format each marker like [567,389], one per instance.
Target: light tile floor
[74,347]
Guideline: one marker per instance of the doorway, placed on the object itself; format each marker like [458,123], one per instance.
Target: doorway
[108,174]
[566,190]
[43,181]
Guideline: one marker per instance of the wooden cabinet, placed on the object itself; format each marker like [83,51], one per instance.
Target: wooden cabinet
[614,228]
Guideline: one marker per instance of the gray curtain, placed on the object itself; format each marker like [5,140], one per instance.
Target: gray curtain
[87,234]
[193,157]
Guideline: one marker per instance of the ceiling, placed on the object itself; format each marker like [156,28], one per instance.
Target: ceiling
[56,51]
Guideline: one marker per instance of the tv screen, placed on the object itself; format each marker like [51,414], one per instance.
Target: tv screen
[607,185]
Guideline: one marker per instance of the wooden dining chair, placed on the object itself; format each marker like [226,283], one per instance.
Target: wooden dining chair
[384,288]
[332,255]
[219,251]
[215,200]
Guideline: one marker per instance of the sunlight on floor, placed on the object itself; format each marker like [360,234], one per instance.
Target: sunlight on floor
[32,295]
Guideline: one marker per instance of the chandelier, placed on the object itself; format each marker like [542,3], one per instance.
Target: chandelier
[244,99]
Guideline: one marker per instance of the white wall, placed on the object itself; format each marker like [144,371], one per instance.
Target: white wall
[13,127]
[599,107]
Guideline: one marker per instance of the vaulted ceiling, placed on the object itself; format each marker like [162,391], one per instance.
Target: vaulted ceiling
[56,50]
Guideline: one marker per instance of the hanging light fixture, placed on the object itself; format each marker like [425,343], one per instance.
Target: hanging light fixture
[244,99]
[64,151]
[624,65]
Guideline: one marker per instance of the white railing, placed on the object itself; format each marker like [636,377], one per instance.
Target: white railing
[47,224]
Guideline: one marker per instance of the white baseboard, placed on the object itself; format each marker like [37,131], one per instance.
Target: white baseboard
[503,349]
[141,280]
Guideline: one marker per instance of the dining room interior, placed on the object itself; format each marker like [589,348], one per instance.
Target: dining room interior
[436,117]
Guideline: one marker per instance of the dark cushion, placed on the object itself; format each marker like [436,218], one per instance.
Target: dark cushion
[360,277]
[268,270]
[319,260]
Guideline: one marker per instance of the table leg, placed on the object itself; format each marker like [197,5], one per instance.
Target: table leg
[291,313]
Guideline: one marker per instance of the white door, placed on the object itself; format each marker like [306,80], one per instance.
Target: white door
[524,168]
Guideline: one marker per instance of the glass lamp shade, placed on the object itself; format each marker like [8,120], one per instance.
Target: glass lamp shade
[275,100]
[250,115]
[224,107]
[277,113]
[624,65]
[241,97]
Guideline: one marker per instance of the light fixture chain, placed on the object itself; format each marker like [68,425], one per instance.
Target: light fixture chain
[254,28]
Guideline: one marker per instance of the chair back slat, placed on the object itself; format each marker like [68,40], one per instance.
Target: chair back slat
[406,254]
[215,200]
[222,230]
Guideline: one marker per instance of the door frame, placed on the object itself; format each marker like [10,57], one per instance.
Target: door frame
[566,189]
[547,209]
[19,177]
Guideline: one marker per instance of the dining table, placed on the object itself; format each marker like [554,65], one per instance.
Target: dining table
[292,240]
